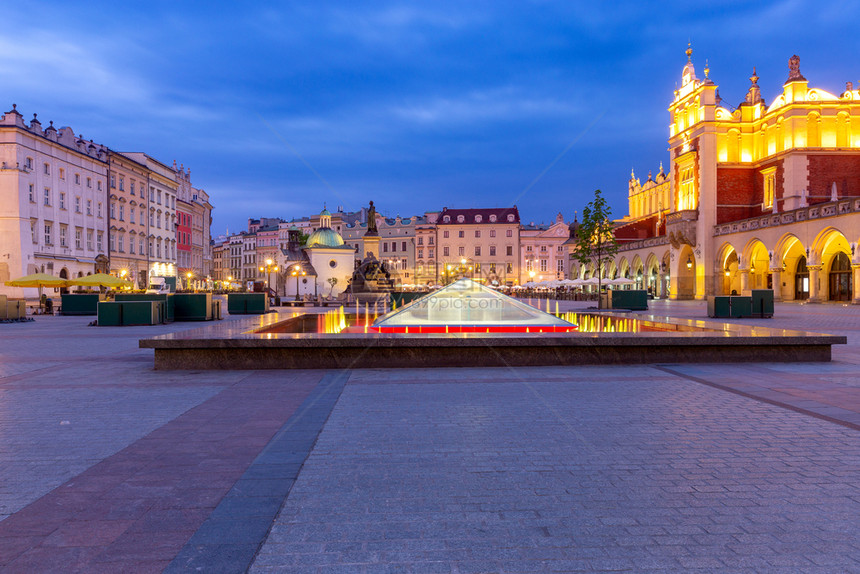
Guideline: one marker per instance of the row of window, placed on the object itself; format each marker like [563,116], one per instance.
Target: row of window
[28,163]
[461,251]
[478,218]
[393,246]
[461,234]
[543,249]
[530,265]
[48,234]
[154,217]
[478,267]
[117,244]
[154,194]
[47,200]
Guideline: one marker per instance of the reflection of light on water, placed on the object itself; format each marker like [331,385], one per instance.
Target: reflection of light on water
[601,324]
[333,322]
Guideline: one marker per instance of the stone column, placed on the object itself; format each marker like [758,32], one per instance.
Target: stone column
[855,284]
[776,272]
[814,286]
[745,282]
[662,287]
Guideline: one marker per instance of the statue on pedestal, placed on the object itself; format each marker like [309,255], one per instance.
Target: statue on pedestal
[371,220]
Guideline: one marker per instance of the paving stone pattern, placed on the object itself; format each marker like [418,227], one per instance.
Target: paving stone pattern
[587,475]
[109,466]
[233,533]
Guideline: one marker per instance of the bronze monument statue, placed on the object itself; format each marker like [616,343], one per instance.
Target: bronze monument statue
[371,220]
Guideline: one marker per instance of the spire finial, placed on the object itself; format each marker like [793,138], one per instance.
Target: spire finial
[689,51]
[707,69]
[754,77]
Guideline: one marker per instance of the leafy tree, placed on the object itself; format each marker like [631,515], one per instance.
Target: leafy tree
[332,281]
[595,241]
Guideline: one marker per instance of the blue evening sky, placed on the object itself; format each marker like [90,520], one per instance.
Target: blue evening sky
[278,107]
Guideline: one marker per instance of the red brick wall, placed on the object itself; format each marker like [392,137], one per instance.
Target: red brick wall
[825,169]
[740,191]
[641,229]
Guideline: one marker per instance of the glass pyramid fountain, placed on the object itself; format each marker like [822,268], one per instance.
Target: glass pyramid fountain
[466,306]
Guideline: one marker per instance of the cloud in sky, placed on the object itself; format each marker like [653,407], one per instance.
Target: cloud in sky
[413,105]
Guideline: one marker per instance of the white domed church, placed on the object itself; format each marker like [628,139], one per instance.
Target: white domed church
[322,267]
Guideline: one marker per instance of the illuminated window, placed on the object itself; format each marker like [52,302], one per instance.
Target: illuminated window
[687,194]
[769,188]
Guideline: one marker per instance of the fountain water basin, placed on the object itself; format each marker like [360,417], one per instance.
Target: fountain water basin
[413,337]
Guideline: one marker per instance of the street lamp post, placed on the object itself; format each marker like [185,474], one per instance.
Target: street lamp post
[297,270]
[270,266]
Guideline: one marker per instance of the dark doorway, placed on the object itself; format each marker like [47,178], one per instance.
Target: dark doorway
[840,278]
[801,280]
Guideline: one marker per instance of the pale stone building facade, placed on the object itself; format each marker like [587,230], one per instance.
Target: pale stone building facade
[485,240]
[53,191]
[162,187]
[543,254]
[129,223]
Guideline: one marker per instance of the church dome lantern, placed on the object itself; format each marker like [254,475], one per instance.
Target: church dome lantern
[325,236]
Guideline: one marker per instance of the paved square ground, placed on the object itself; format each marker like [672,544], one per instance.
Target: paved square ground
[109,466]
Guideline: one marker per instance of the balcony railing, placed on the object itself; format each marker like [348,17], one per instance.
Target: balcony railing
[817,211]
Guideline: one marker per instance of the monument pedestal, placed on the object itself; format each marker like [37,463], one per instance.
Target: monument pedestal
[371,245]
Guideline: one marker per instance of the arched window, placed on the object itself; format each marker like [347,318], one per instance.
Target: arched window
[813,137]
[842,123]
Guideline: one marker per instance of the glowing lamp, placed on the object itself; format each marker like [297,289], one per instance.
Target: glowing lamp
[689,262]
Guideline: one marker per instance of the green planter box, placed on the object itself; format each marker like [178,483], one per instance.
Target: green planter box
[635,300]
[125,313]
[168,309]
[247,303]
[726,306]
[81,303]
[192,306]
[762,303]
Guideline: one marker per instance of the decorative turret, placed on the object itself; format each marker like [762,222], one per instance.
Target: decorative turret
[754,93]
[688,74]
